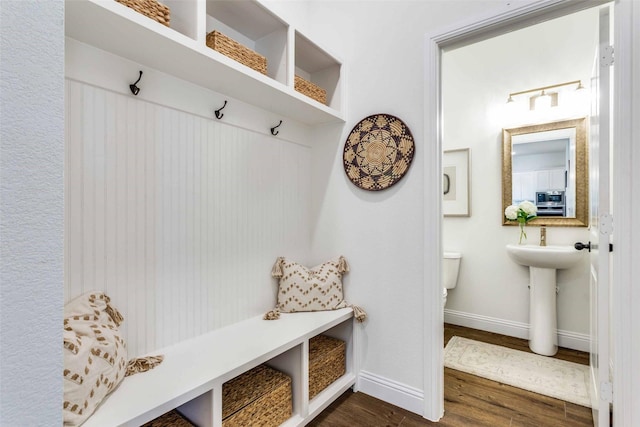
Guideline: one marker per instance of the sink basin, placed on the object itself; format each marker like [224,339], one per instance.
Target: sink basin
[556,257]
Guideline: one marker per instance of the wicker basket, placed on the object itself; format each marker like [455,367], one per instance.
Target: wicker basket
[150,8]
[313,91]
[259,397]
[234,50]
[326,362]
[170,419]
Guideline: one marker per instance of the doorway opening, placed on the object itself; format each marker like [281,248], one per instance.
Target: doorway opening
[436,44]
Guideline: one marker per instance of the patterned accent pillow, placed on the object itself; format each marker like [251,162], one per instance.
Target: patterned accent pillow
[95,355]
[310,289]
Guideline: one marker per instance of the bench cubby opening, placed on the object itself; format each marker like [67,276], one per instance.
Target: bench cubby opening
[193,371]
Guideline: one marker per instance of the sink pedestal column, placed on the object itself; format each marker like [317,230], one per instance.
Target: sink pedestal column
[543,319]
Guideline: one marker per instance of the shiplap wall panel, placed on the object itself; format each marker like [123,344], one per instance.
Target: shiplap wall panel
[177,217]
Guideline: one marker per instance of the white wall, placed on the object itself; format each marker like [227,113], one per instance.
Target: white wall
[492,290]
[295,11]
[381,233]
[176,215]
[31,212]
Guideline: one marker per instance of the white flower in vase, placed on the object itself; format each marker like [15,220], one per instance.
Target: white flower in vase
[523,213]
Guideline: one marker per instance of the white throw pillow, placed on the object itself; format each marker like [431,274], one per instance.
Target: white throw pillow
[310,289]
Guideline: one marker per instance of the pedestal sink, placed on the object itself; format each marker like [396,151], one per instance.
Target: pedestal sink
[543,261]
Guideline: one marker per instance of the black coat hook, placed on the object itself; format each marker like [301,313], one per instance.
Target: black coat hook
[135,89]
[219,115]
[274,132]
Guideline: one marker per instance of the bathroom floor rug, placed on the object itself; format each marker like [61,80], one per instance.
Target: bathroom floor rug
[556,378]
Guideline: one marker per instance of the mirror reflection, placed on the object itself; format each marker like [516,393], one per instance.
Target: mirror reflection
[543,171]
[547,165]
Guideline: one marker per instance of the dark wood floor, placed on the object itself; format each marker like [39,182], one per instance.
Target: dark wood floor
[469,400]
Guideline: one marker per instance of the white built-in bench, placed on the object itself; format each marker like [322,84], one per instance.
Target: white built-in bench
[191,376]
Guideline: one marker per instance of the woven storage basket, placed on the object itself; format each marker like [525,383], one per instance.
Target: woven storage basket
[326,362]
[310,89]
[170,419]
[259,397]
[150,8]
[234,50]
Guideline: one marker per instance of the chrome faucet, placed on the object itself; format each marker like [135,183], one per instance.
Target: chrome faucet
[543,236]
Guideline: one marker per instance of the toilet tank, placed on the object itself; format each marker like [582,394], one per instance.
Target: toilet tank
[450,269]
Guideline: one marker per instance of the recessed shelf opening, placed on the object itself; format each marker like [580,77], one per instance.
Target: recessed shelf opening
[254,27]
[184,15]
[317,66]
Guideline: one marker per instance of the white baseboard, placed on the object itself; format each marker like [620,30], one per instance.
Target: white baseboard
[402,395]
[566,339]
[412,399]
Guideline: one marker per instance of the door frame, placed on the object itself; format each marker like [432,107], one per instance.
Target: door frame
[623,296]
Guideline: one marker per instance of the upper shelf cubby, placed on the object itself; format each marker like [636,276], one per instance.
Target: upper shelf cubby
[181,50]
[315,65]
[184,17]
[254,27]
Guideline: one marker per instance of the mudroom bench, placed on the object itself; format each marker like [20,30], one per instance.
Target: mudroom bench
[191,376]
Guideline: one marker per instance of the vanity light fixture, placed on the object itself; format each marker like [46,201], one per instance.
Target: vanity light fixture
[544,99]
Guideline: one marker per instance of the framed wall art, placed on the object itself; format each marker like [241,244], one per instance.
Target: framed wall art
[455,182]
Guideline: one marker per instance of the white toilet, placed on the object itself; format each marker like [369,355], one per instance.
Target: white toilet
[450,269]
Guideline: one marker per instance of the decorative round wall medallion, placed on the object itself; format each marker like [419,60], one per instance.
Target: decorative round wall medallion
[378,152]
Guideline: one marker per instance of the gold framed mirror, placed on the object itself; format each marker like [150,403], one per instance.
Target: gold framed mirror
[548,165]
